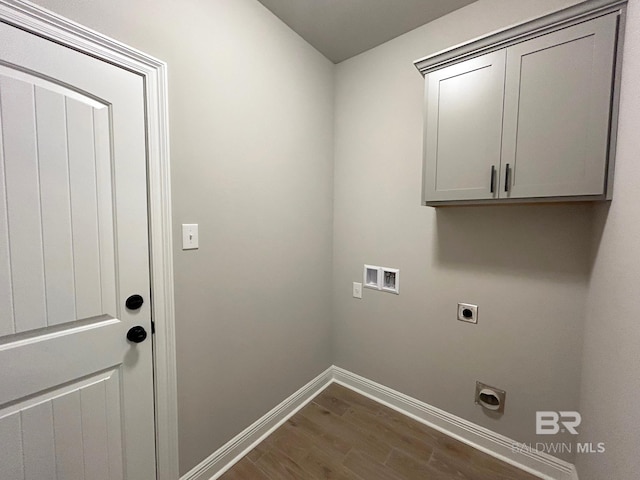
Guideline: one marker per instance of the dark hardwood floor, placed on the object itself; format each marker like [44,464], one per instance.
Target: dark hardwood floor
[344,436]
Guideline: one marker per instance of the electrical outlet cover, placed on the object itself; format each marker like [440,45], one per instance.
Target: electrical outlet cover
[468,312]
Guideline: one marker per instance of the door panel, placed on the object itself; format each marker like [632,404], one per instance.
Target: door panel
[62,244]
[55,205]
[76,397]
[66,433]
[82,180]
[464,128]
[557,110]
[23,201]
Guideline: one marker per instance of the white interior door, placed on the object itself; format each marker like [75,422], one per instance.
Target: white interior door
[76,397]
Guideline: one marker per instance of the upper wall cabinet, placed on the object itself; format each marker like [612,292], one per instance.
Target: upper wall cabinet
[528,114]
[464,129]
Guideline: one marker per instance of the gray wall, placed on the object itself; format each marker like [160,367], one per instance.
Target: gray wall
[251,109]
[610,393]
[527,267]
[252,123]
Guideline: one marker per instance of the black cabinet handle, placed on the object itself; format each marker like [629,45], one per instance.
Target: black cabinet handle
[507,178]
[493,178]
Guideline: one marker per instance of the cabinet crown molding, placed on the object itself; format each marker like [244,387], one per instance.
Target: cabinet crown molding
[511,35]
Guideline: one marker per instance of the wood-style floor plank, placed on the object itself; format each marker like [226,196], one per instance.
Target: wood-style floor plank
[368,468]
[325,440]
[407,466]
[342,435]
[391,434]
[274,465]
[244,469]
[332,403]
[365,441]
[322,466]
[293,443]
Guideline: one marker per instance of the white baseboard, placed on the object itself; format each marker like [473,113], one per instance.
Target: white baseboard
[574,473]
[539,464]
[230,453]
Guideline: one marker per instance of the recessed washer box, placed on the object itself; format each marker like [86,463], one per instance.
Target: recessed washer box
[384,279]
[390,280]
[371,277]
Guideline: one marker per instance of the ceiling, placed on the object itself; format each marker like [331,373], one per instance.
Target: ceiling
[341,29]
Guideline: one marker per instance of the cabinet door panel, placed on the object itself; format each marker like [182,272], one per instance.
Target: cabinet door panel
[557,110]
[463,129]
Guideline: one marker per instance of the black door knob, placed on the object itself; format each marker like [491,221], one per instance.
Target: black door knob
[134,302]
[136,334]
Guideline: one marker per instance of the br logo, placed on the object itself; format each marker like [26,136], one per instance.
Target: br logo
[551,423]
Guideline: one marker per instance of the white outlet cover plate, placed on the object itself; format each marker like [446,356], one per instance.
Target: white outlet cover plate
[357,290]
[474,309]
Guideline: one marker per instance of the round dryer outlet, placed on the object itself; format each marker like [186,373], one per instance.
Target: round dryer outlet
[468,312]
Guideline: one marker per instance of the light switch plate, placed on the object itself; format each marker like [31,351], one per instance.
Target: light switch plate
[189,236]
[357,290]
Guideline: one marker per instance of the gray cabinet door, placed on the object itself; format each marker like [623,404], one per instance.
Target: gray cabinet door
[557,110]
[463,129]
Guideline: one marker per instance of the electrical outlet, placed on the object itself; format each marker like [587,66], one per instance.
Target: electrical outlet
[468,313]
[357,290]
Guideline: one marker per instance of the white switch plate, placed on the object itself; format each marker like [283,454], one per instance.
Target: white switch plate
[189,236]
[357,290]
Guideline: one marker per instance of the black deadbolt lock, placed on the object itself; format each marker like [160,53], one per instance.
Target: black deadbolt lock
[466,313]
[134,302]
[136,334]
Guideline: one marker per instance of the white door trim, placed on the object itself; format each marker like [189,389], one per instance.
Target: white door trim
[44,23]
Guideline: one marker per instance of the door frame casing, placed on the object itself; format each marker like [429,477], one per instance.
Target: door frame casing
[51,26]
